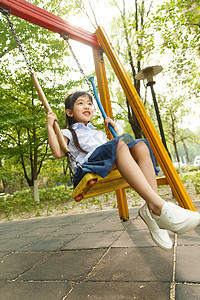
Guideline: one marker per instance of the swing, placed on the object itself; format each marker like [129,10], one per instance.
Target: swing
[92,185]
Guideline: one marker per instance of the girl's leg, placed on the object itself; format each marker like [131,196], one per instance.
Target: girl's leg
[140,153]
[136,174]
[166,215]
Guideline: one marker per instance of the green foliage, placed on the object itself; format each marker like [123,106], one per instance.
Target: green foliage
[52,200]
[196,181]
[54,172]
[97,202]
[182,17]
[58,194]
[11,175]
[192,177]
[177,24]
[22,130]
[22,202]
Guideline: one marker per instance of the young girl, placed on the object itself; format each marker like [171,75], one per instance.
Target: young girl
[131,157]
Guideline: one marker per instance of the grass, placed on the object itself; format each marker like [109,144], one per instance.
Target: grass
[21,203]
[56,201]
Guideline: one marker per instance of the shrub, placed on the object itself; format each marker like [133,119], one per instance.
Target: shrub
[196,181]
[22,202]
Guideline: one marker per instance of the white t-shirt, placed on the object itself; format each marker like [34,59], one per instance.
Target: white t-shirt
[89,139]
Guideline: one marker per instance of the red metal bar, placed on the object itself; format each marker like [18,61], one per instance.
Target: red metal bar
[43,18]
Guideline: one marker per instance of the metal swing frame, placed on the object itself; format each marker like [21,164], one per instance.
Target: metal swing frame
[100,41]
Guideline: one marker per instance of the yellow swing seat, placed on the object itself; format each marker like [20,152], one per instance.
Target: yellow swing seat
[92,185]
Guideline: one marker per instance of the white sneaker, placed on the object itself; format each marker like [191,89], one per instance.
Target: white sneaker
[159,236]
[177,219]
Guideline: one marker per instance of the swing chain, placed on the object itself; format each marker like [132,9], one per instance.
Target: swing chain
[73,158]
[65,36]
[71,170]
[6,13]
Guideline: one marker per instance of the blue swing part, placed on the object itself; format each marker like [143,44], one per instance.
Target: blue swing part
[112,130]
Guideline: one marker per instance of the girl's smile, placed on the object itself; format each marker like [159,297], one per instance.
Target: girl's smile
[87,113]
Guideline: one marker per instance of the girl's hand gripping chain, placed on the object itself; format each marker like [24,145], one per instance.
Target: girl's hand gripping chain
[112,130]
[109,122]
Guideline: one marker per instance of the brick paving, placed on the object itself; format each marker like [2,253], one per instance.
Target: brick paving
[95,256]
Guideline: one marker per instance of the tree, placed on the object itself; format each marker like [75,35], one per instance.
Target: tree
[22,130]
[22,126]
[173,111]
[133,43]
[11,175]
[178,23]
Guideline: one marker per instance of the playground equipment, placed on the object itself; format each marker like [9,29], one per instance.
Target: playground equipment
[101,45]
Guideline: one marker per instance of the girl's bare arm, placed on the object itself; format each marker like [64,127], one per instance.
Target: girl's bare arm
[111,122]
[52,138]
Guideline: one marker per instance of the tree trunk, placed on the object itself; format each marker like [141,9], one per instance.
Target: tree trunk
[35,182]
[35,158]
[177,155]
[137,130]
[186,151]
[36,192]
[5,186]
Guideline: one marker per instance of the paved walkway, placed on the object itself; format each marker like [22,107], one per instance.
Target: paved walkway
[95,256]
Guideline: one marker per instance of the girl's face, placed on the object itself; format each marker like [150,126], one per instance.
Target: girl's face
[83,110]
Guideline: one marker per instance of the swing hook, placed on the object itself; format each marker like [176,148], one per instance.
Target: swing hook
[5,11]
[65,36]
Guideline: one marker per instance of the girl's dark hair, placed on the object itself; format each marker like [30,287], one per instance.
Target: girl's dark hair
[69,104]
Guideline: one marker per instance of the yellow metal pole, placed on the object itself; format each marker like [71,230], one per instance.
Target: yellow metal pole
[145,122]
[103,87]
[122,204]
[105,100]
